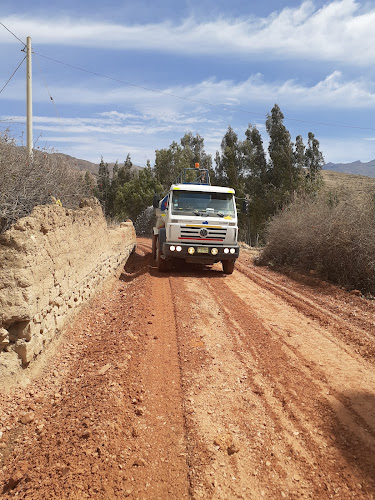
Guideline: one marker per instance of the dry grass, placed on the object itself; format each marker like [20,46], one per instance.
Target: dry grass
[332,235]
[347,185]
[24,185]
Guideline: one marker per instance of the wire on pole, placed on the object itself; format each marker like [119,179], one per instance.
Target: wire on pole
[198,101]
[14,72]
[11,32]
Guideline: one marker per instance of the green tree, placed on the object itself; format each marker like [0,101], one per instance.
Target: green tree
[125,171]
[219,173]
[255,173]
[314,159]
[102,191]
[193,147]
[136,195]
[229,168]
[299,153]
[115,170]
[169,163]
[284,175]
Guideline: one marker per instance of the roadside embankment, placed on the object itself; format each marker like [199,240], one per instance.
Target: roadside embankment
[51,262]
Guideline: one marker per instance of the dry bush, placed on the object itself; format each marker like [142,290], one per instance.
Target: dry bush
[23,186]
[336,239]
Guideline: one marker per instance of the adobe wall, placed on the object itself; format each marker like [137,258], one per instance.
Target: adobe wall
[50,263]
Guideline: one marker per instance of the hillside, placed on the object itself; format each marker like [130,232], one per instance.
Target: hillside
[78,164]
[345,184]
[84,165]
[356,168]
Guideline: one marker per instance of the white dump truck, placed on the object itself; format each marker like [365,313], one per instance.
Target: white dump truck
[195,222]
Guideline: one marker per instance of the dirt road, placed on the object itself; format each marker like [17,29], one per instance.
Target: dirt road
[196,385]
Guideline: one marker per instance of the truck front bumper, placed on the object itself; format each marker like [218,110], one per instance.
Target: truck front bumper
[193,252]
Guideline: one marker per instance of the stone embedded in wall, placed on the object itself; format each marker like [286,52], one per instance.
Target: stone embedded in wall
[50,262]
[4,338]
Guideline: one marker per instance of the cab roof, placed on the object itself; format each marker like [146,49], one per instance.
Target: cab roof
[201,188]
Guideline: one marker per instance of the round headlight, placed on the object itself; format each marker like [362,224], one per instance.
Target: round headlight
[178,248]
[172,248]
[191,250]
[214,251]
[232,250]
[226,250]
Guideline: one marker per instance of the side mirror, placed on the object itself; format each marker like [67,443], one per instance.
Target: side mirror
[155,201]
[244,207]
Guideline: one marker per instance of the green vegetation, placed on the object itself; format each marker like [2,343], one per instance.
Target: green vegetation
[134,196]
[326,227]
[267,186]
[170,162]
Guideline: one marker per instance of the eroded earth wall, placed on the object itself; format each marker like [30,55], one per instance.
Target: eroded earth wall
[50,263]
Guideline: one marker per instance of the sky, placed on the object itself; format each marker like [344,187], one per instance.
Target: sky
[131,77]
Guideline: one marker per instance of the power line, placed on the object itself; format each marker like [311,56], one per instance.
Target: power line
[51,99]
[49,93]
[15,36]
[12,121]
[168,94]
[198,101]
[14,72]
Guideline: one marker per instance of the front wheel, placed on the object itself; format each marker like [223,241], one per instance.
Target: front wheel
[228,266]
[161,264]
[154,243]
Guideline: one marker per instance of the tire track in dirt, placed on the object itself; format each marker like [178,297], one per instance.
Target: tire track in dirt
[193,384]
[354,323]
[305,388]
[310,342]
[107,417]
[304,429]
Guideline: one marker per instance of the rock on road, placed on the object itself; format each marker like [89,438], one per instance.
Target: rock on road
[193,384]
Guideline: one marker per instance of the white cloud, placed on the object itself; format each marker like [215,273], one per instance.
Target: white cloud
[330,93]
[339,31]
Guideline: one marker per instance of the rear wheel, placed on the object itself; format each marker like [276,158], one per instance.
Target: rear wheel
[228,266]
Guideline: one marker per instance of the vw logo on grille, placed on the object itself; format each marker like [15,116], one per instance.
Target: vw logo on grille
[203,232]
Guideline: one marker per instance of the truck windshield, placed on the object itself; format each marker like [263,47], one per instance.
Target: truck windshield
[201,203]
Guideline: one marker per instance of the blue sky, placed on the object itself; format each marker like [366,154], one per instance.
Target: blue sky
[315,59]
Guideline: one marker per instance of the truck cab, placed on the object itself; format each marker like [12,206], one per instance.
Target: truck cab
[196,222]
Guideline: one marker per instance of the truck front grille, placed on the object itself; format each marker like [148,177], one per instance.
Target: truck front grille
[202,233]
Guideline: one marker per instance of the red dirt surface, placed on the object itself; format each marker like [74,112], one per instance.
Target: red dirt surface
[195,384]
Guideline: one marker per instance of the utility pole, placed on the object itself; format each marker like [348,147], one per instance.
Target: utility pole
[29,101]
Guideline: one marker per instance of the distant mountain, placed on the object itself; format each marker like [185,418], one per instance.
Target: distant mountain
[77,164]
[84,165]
[356,167]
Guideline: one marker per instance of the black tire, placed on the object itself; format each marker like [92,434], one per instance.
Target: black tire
[154,241]
[228,266]
[161,264]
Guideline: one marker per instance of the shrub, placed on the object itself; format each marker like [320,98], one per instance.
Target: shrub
[334,238]
[24,185]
